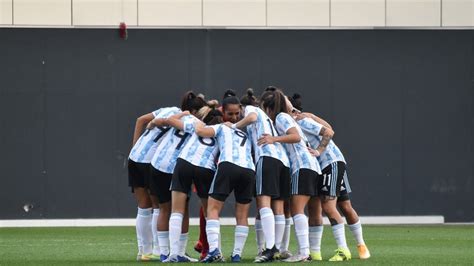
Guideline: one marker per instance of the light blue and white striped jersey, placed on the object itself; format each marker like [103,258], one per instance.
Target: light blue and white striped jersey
[234,146]
[332,153]
[199,151]
[169,149]
[145,147]
[264,125]
[297,152]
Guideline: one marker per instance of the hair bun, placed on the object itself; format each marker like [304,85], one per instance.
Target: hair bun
[250,92]
[229,93]
[191,95]
[296,96]
[213,103]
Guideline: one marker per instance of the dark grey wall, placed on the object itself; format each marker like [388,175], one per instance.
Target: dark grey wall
[401,103]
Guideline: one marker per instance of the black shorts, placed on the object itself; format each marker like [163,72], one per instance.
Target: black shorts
[230,177]
[304,182]
[334,182]
[138,174]
[186,173]
[160,185]
[272,178]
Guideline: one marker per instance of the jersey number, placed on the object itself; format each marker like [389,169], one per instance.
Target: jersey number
[162,133]
[243,136]
[212,143]
[182,137]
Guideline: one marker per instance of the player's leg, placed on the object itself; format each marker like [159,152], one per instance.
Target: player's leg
[354,224]
[154,225]
[285,243]
[315,227]
[329,190]
[282,215]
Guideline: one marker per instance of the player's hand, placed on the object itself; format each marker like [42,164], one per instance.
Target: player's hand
[266,139]
[313,152]
[300,116]
[150,125]
[229,124]
[184,113]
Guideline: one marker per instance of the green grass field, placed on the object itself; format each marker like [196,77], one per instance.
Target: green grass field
[396,245]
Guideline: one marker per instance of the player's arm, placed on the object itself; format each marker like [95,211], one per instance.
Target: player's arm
[175,120]
[326,136]
[320,120]
[203,131]
[292,136]
[249,119]
[140,125]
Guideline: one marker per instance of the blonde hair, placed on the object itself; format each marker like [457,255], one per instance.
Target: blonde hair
[204,111]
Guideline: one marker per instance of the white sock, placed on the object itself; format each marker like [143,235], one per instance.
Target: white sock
[144,228]
[213,232]
[183,242]
[268,226]
[241,233]
[279,230]
[339,235]
[154,230]
[356,230]
[285,243]
[176,220]
[139,235]
[315,236]
[164,242]
[301,230]
[259,237]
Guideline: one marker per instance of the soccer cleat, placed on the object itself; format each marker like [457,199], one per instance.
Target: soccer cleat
[149,257]
[285,255]
[316,255]
[189,258]
[178,258]
[298,258]
[163,257]
[363,252]
[213,256]
[267,255]
[198,247]
[341,255]
[203,255]
[235,258]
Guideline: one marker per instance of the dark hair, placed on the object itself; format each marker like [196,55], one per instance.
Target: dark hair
[229,98]
[190,102]
[296,101]
[248,98]
[273,102]
[271,88]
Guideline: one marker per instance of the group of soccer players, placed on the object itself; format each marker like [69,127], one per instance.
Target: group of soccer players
[264,148]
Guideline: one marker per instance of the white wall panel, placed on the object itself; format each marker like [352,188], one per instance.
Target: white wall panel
[358,13]
[35,12]
[458,13]
[170,12]
[104,12]
[234,13]
[298,13]
[6,11]
[414,13]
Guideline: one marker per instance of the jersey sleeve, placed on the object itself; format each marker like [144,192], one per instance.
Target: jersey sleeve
[310,126]
[217,129]
[284,122]
[156,112]
[250,109]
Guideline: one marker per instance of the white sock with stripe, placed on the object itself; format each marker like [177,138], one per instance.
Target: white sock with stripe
[259,236]
[176,220]
[285,243]
[268,226]
[183,242]
[213,232]
[302,232]
[356,230]
[241,233]
[315,236]
[154,230]
[143,224]
[339,235]
[279,230]
[164,242]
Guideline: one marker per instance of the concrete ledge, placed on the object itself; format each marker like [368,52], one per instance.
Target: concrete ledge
[195,221]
